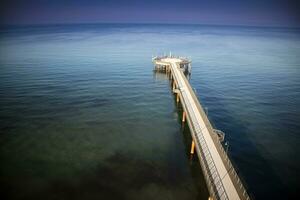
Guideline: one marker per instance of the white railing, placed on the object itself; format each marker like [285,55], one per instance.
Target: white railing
[172,56]
[212,176]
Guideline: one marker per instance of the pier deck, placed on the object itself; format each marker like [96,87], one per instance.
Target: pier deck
[221,178]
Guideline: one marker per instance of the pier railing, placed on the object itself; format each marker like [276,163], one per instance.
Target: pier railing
[172,56]
[211,174]
[212,177]
[231,171]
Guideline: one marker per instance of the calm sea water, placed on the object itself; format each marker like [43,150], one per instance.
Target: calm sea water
[83,116]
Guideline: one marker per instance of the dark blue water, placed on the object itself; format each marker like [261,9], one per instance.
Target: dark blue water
[83,116]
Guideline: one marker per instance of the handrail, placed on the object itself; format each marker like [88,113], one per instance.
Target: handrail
[173,56]
[210,164]
[231,171]
[213,178]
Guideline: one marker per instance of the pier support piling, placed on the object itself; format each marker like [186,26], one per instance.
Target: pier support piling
[183,116]
[193,147]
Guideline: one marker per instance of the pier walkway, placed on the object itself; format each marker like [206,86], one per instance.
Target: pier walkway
[220,176]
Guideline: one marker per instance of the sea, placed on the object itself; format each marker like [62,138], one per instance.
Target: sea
[84,116]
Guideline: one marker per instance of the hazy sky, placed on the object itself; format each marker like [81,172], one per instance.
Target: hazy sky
[244,12]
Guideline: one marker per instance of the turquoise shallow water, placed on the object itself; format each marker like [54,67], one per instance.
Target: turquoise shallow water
[83,116]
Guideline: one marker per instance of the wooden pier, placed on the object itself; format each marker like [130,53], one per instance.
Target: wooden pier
[221,178]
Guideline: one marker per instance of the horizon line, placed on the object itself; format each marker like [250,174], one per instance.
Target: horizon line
[146,23]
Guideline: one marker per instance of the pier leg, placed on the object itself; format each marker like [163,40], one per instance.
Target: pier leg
[193,147]
[173,85]
[183,116]
[177,98]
